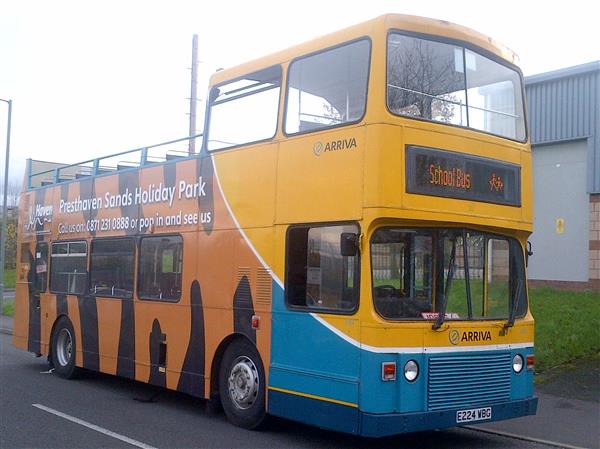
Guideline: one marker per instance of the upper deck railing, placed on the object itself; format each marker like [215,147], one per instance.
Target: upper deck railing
[40,173]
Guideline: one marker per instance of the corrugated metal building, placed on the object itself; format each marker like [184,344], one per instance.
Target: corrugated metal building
[564,123]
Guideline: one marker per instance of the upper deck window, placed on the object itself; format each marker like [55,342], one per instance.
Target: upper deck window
[328,89]
[245,110]
[450,84]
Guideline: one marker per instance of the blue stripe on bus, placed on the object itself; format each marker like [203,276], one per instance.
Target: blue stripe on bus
[327,415]
[328,366]
[333,369]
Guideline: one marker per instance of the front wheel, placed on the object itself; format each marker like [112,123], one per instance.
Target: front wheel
[63,349]
[242,385]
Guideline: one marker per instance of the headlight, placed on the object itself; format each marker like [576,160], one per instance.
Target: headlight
[411,370]
[517,363]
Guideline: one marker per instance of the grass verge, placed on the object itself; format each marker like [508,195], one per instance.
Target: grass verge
[8,309]
[566,326]
[9,278]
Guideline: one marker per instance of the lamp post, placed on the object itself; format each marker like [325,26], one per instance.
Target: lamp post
[5,206]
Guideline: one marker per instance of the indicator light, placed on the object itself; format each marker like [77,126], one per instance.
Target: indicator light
[388,371]
[530,362]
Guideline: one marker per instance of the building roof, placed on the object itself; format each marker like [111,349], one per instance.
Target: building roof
[563,73]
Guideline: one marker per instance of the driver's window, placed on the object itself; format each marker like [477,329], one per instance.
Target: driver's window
[318,276]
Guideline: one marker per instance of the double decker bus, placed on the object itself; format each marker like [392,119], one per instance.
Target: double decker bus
[347,248]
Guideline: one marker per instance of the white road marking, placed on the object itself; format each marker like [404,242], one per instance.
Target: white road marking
[523,437]
[81,422]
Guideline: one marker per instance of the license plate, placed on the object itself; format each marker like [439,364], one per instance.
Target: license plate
[474,414]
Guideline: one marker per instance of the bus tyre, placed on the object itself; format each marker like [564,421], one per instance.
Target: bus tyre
[63,348]
[242,385]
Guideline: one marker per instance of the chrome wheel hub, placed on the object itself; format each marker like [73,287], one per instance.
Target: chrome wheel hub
[64,347]
[243,383]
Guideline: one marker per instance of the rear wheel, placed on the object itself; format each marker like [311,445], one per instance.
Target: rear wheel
[63,348]
[242,385]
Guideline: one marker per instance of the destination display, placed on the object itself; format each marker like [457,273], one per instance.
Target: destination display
[434,172]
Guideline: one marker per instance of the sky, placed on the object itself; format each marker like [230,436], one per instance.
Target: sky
[89,78]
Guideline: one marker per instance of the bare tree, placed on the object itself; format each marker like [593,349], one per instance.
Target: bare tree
[13,191]
[422,79]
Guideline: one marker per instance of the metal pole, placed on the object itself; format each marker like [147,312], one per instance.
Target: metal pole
[5,207]
[193,95]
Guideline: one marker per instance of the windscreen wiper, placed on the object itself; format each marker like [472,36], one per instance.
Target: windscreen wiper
[444,299]
[513,309]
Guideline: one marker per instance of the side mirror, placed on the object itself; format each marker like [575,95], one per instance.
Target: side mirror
[349,244]
[528,252]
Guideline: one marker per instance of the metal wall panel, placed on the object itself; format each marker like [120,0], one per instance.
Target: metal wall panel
[560,248]
[565,105]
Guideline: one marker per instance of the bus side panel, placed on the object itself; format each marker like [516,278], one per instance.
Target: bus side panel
[31,230]
[74,316]
[21,316]
[314,375]
[109,320]
[48,312]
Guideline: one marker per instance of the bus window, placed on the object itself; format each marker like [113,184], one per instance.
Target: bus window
[478,276]
[318,276]
[402,273]
[447,83]
[68,268]
[160,268]
[328,88]
[497,277]
[111,267]
[41,267]
[245,110]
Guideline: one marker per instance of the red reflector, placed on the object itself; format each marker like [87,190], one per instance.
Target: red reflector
[255,321]
[530,361]
[388,371]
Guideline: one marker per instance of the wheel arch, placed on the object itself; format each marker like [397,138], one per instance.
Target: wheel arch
[218,359]
[51,335]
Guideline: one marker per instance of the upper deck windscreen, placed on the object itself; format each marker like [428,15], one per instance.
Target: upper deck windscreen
[447,83]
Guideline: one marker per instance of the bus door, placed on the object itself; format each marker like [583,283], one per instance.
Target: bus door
[37,277]
[314,360]
[163,313]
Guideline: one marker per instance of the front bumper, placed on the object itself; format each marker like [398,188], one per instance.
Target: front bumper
[373,425]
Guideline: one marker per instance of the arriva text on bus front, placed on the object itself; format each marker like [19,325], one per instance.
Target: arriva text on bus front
[149,195]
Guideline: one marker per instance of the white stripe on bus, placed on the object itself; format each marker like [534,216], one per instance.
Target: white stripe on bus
[420,350]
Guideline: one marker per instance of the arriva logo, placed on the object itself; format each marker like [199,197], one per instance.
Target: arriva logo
[334,145]
[454,336]
[38,216]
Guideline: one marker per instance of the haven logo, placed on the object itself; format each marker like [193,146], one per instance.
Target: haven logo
[334,145]
[38,216]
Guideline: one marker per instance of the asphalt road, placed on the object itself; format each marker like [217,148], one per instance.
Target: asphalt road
[31,404]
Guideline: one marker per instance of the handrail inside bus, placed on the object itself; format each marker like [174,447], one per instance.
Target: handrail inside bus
[59,172]
[458,103]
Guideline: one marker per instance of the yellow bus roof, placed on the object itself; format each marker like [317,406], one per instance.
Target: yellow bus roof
[382,23]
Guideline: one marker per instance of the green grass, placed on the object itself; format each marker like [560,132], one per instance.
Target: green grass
[567,326]
[9,278]
[9,308]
